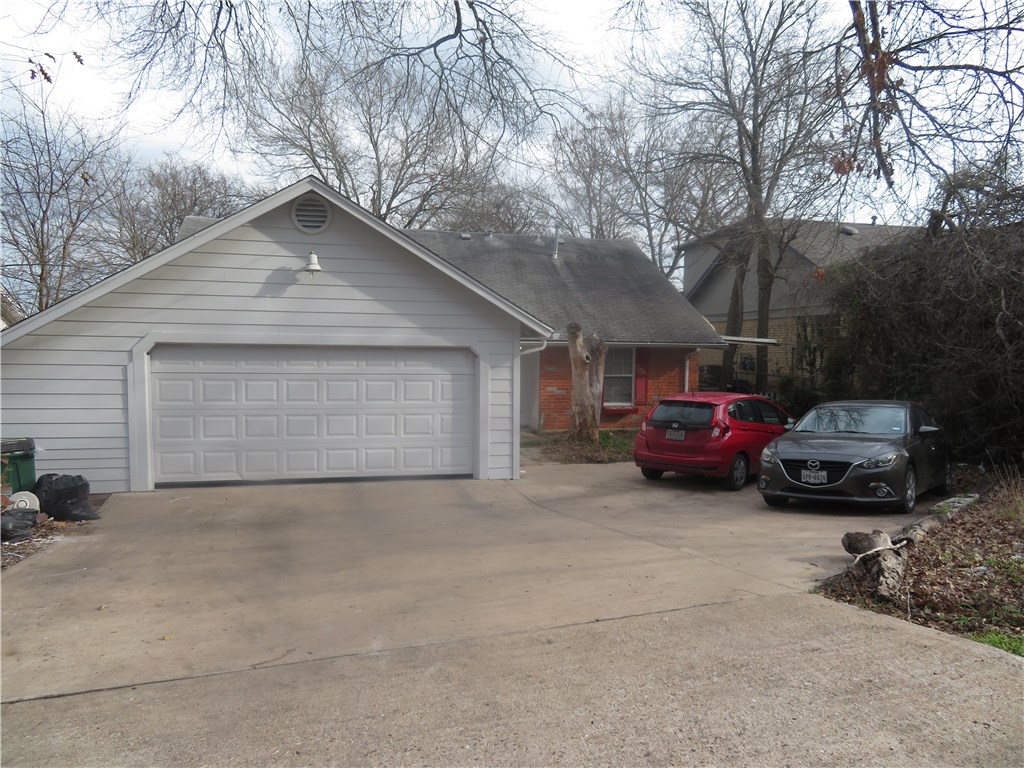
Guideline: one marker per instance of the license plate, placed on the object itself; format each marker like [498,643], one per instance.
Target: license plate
[675,434]
[818,476]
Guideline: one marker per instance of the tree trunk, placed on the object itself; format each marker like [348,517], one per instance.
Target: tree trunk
[765,281]
[734,319]
[586,356]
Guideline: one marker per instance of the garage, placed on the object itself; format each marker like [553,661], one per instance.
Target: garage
[299,338]
[246,413]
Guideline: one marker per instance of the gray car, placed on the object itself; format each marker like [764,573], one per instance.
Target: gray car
[884,452]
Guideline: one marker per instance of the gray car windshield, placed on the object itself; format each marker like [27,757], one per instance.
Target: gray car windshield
[855,419]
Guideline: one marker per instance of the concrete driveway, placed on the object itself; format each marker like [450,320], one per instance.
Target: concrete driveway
[581,615]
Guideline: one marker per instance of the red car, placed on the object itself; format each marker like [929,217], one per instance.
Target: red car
[717,434]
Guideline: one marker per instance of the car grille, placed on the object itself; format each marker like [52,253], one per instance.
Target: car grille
[836,470]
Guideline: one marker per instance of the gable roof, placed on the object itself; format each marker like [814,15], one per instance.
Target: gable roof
[825,243]
[609,287]
[208,231]
[821,243]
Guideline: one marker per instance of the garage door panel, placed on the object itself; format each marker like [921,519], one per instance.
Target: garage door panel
[418,391]
[171,464]
[341,426]
[380,391]
[418,424]
[381,459]
[417,458]
[260,391]
[238,413]
[218,427]
[301,426]
[380,425]
[219,463]
[169,428]
[177,391]
[341,461]
[342,392]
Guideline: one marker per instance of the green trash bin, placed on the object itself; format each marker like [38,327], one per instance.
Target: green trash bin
[18,462]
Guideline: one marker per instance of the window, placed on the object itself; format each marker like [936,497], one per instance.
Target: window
[769,413]
[743,410]
[690,415]
[618,376]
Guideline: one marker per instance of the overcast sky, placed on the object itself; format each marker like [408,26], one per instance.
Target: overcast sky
[95,90]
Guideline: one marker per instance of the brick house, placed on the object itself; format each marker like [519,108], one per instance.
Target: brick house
[800,315]
[654,335]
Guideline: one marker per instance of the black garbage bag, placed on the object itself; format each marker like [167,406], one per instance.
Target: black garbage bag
[16,524]
[73,511]
[64,497]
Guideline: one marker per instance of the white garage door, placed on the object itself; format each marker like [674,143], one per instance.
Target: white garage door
[265,413]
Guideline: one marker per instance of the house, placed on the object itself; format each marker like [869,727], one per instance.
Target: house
[609,287]
[800,314]
[228,357]
[304,338]
[10,311]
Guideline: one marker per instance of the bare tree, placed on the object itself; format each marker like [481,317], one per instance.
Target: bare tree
[673,196]
[212,50]
[499,206]
[930,84]
[56,178]
[620,174]
[593,193]
[757,75]
[989,194]
[144,212]
[381,136]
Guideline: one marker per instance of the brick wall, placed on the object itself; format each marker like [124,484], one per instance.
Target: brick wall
[798,352]
[659,372]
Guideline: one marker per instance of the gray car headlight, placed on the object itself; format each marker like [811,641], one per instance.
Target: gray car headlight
[767,457]
[885,460]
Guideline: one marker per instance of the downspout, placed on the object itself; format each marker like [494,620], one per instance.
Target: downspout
[531,350]
[686,386]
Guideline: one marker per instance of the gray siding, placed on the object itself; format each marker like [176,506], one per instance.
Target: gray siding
[67,383]
[794,292]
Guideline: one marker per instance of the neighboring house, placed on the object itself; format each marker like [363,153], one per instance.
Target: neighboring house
[800,314]
[609,287]
[10,311]
[303,338]
[225,357]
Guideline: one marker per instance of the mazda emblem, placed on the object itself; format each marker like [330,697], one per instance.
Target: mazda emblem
[813,464]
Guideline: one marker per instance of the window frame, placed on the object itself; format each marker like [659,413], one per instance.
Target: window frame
[631,376]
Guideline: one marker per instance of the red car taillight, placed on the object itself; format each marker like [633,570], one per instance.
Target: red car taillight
[720,430]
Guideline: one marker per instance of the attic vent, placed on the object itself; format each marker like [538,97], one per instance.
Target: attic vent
[311,214]
[465,236]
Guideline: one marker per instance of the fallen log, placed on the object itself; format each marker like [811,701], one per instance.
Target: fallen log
[885,557]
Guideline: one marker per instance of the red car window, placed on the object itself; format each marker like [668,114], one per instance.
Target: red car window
[744,411]
[769,413]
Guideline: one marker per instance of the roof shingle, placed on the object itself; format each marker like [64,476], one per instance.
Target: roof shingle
[609,287]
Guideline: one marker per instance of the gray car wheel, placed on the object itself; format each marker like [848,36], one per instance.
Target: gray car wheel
[909,491]
[739,470]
